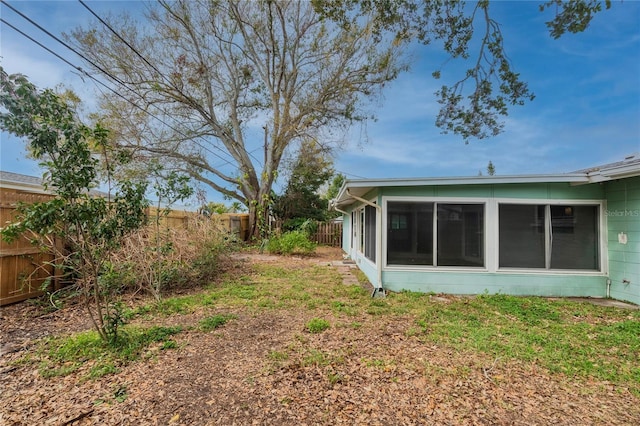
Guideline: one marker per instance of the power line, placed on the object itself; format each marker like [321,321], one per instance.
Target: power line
[117,80]
[134,50]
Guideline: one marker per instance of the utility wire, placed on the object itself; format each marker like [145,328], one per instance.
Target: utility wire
[229,162]
[61,42]
[134,50]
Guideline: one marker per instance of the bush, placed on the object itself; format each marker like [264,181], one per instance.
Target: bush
[308,226]
[189,255]
[294,242]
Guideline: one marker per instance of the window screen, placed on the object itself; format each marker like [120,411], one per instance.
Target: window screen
[460,235]
[370,233]
[548,236]
[409,233]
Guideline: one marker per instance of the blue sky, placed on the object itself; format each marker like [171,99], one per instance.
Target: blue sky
[586,111]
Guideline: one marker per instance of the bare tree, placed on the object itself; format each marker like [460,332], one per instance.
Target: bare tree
[213,73]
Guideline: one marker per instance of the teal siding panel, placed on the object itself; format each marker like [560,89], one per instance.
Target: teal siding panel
[628,224]
[472,191]
[368,269]
[419,191]
[506,283]
[549,191]
[623,215]
[346,233]
[517,191]
[621,256]
[527,191]
[620,194]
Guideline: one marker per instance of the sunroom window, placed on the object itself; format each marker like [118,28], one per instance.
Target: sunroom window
[435,234]
[548,236]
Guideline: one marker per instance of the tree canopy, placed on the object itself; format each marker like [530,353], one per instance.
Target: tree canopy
[301,200]
[222,89]
[228,74]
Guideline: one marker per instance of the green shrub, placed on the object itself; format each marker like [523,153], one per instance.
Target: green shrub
[294,242]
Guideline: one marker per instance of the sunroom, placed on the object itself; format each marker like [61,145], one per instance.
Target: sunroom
[546,235]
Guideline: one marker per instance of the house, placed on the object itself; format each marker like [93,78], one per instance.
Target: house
[574,234]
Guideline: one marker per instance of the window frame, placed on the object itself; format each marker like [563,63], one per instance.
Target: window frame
[361,233]
[548,204]
[491,234]
[436,201]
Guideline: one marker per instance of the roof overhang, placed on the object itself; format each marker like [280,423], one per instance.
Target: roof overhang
[353,189]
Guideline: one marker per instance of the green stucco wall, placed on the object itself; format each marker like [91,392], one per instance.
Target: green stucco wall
[545,283]
[623,216]
[544,191]
[500,282]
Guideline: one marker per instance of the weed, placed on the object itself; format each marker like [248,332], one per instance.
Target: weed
[65,355]
[120,393]
[278,356]
[293,242]
[169,344]
[335,378]
[317,325]
[213,322]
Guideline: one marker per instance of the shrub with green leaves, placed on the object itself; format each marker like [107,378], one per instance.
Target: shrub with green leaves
[90,226]
[294,242]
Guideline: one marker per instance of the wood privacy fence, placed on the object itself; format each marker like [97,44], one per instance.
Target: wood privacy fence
[328,233]
[234,223]
[24,268]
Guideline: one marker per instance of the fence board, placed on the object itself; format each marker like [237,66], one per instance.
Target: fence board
[329,234]
[20,259]
[23,267]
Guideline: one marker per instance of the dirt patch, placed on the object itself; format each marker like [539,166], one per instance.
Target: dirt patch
[263,368]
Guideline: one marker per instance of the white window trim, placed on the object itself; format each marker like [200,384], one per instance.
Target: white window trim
[435,200]
[360,213]
[491,240]
[602,236]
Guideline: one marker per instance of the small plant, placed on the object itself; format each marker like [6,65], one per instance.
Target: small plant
[114,318]
[278,356]
[317,325]
[211,323]
[120,393]
[294,242]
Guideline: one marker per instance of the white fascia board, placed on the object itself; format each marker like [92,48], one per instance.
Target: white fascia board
[476,180]
[623,171]
[366,185]
[26,187]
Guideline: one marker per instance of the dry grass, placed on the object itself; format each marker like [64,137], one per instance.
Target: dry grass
[153,259]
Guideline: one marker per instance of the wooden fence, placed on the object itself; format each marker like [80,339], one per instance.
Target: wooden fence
[328,233]
[24,268]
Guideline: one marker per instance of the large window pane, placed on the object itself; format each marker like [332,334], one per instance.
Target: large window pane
[522,236]
[574,237]
[568,241]
[370,233]
[460,235]
[409,233]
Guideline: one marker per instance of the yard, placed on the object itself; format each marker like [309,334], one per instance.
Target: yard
[285,340]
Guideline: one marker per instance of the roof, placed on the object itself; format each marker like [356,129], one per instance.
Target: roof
[28,183]
[351,190]
[629,167]
[21,182]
